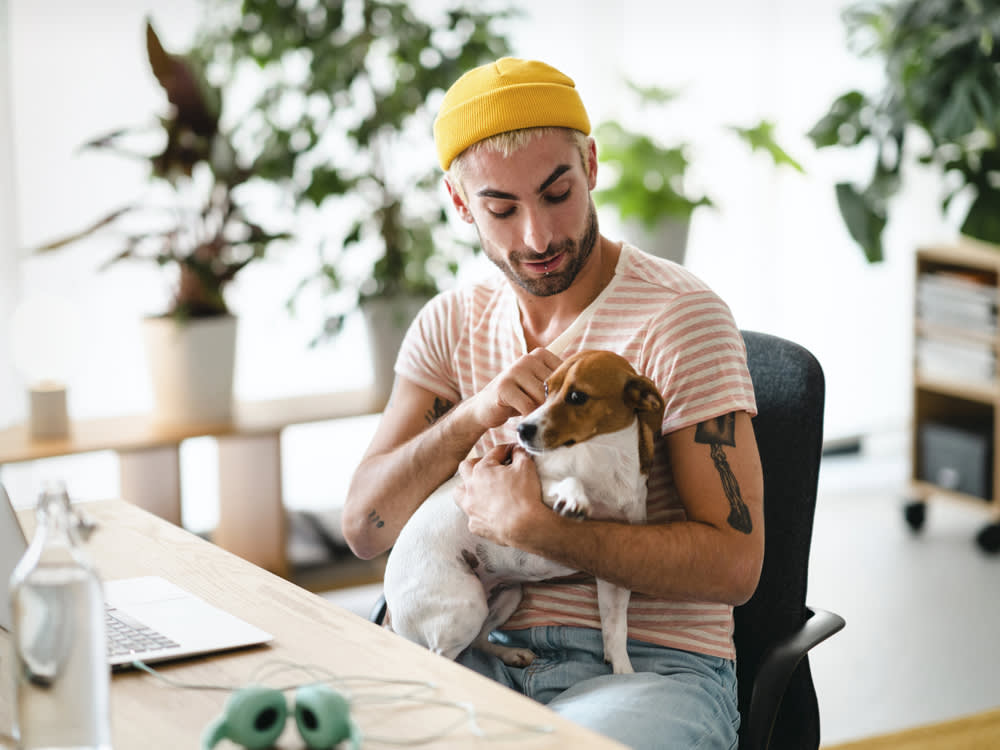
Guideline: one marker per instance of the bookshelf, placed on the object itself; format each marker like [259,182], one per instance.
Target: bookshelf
[956,388]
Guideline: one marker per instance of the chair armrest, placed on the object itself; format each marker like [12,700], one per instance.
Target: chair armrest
[776,670]
[377,615]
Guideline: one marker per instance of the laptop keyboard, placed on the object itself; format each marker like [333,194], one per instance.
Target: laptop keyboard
[127,635]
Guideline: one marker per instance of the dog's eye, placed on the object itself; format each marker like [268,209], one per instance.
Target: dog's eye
[576,398]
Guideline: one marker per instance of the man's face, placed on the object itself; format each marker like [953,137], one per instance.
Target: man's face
[533,211]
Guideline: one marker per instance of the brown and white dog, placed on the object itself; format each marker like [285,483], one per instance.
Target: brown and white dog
[592,442]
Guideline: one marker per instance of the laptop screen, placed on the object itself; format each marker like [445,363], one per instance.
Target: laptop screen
[192,624]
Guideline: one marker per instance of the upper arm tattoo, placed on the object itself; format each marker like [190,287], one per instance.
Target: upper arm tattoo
[440,408]
[716,433]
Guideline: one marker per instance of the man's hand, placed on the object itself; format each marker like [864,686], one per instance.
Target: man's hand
[501,494]
[516,391]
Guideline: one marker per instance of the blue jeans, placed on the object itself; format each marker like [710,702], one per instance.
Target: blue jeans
[676,700]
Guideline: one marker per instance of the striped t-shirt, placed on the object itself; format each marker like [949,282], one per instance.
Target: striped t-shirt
[674,330]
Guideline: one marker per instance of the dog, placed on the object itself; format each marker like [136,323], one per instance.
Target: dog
[592,442]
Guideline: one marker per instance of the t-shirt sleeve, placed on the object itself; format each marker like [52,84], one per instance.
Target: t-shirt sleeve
[426,355]
[699,362]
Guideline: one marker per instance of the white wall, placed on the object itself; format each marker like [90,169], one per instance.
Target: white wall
[775,249]
[12,408]
[79,70]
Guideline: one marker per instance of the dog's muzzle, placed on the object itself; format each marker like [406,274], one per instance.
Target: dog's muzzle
[527,434]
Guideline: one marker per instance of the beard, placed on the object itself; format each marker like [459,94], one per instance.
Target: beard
[577,252]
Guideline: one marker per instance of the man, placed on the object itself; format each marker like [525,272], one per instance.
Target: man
[512,137]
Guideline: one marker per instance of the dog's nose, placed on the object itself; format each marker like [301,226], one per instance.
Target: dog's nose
[526,431]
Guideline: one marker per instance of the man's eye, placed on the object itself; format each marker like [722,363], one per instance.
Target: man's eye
[502,214]
[558,198]
[576,398]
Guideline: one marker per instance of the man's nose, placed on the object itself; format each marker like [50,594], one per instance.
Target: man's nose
[537,234]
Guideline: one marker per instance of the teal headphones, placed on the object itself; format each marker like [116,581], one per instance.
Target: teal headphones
[255,717]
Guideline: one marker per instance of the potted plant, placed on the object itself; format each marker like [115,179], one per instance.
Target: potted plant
[342,112]
[939,106]
[202,236]
[649,192]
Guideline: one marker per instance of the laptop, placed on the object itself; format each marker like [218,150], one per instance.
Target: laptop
[149,618]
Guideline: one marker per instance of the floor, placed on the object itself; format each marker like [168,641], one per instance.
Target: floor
[922,610]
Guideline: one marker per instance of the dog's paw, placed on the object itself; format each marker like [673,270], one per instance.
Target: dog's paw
[571,507]
[567,498]
[509,655]
[517,657]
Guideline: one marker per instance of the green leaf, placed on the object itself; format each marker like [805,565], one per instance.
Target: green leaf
[653,94]
[354,236]
[326,181]
[864,221]
[842,125]
[761,138]
[957,114]
[983,219]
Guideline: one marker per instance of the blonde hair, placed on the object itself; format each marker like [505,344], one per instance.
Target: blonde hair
[507,143]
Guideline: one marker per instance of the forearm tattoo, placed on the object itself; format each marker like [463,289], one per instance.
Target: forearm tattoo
[440,408]
[374,519]
[716,433]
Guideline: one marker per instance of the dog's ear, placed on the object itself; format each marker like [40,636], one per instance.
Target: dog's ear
[642,395]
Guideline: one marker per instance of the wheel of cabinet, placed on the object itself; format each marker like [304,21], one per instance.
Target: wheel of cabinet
[915,513]
[988,538]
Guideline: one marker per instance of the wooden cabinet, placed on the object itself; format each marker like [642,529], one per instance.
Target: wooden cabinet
[956,389]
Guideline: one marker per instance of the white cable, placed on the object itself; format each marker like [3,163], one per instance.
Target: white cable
[469,715]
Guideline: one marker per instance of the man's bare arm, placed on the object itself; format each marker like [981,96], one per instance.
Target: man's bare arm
[419,443]
[405,462]
[713,555]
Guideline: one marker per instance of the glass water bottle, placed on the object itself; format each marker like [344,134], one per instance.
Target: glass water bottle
[62,678]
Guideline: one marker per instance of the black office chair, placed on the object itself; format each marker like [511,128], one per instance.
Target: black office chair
[775,629]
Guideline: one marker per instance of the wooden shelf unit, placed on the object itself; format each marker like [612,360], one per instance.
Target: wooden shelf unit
[252,521]
[951,398]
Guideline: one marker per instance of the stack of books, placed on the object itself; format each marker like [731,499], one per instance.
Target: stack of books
[958,315]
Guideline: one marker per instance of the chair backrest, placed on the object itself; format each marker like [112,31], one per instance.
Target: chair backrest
[790,388]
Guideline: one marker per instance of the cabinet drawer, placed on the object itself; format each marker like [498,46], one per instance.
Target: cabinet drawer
[957,458]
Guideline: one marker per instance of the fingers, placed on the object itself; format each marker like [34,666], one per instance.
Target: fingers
[465,468]
[517,391]
[525,389]
[498,454]
[550,360]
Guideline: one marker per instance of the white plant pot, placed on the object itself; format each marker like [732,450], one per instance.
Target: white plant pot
[191,366]
[668,239]
[387,321]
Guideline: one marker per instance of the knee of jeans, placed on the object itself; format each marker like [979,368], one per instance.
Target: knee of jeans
[647,710]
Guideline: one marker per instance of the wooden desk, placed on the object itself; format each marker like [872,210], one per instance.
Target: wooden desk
[251,512]
[150,715]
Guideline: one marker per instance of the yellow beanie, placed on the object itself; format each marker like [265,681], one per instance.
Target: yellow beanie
[508,94]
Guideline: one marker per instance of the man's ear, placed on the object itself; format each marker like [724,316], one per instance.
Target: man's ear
[458,202]
[592,163]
